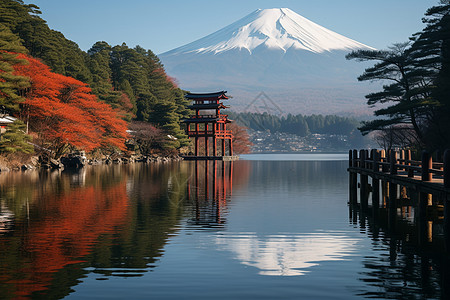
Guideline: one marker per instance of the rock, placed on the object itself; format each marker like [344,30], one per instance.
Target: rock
[26,167]
[74,160]
[4,169]
[35,161]
[55,164]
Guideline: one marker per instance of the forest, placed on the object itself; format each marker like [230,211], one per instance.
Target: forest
[65,98]
[296,124]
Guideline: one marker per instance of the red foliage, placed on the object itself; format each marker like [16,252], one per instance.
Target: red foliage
[241,139]
[61,237]
[63,111]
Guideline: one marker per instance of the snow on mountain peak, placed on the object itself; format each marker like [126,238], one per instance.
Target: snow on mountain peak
[276,28]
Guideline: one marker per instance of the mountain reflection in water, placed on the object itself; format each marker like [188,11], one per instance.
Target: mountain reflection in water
[287,255]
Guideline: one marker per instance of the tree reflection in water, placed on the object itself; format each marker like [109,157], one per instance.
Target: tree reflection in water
[412,262]
[109,220]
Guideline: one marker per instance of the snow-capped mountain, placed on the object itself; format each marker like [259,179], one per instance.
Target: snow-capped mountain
[300,65]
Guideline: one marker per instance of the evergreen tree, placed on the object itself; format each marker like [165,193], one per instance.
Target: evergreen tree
[61,54]
[10,84]
[431,50]
[15,139]
[409,100]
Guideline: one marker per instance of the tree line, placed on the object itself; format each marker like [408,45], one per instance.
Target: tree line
[67,98]
[413,107]
[297,124]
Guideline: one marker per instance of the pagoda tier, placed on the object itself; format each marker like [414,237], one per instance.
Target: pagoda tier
[208,123]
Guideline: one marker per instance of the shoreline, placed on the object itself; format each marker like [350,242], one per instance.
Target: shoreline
[76,162]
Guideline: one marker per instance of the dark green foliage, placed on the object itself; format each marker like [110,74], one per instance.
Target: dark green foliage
[431,50]
[296,124]
[61,54]
[418,93]
[15,139]
[132,81]
[141,76]
[10,84]
[406,92]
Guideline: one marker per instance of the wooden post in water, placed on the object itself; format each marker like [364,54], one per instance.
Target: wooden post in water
[408,158]
[393,162]
[383,158]
[355,158]
[447,221]
[375,182]
[447,199]
[447,169]
[427,164]
[366,158]
[402,159]
[350,158]
[353,178]
[376,159]
[364,181]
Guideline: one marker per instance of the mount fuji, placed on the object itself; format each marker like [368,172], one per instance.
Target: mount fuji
[299,65]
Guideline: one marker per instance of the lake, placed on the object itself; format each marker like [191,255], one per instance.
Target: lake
[274,226]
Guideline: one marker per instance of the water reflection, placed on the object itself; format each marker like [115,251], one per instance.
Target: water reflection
[55,225]
[208,189]
[406,261]
[58,227]
[287,255]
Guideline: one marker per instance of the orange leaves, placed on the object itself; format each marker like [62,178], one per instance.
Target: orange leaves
[63,111]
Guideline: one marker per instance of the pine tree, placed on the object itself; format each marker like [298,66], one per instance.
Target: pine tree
[15,139]
[431,50]
[10,84]
[61,54]
[409,101]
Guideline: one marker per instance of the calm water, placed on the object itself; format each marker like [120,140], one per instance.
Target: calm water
[269,227]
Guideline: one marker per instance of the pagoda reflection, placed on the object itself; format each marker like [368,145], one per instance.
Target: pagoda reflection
[209,189]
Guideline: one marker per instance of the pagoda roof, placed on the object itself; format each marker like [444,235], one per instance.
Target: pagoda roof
[5,119]
[207,96]
[207,106]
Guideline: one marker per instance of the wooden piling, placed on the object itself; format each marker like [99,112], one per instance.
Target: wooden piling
[427,164]
[363,181]
[350,158]
[447,169]
[375,181]
[393,162]
[383,158]
[408,158]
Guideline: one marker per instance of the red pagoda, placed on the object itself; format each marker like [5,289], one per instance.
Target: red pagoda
[208,123]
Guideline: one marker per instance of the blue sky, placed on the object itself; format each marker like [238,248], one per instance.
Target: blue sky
[166,24]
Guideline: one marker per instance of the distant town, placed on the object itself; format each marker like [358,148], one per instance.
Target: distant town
[281,142]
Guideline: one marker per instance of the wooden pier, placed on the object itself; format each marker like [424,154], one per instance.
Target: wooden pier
[393,181]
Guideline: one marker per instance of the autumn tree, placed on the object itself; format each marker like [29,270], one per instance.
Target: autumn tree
[241,139]
[146,137]
[63,113]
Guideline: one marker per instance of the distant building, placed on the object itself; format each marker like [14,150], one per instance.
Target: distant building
[5,120]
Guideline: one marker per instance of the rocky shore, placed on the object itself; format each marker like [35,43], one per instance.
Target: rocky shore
[79,160]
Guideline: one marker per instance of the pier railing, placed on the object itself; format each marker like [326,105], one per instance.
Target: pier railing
[399,164]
